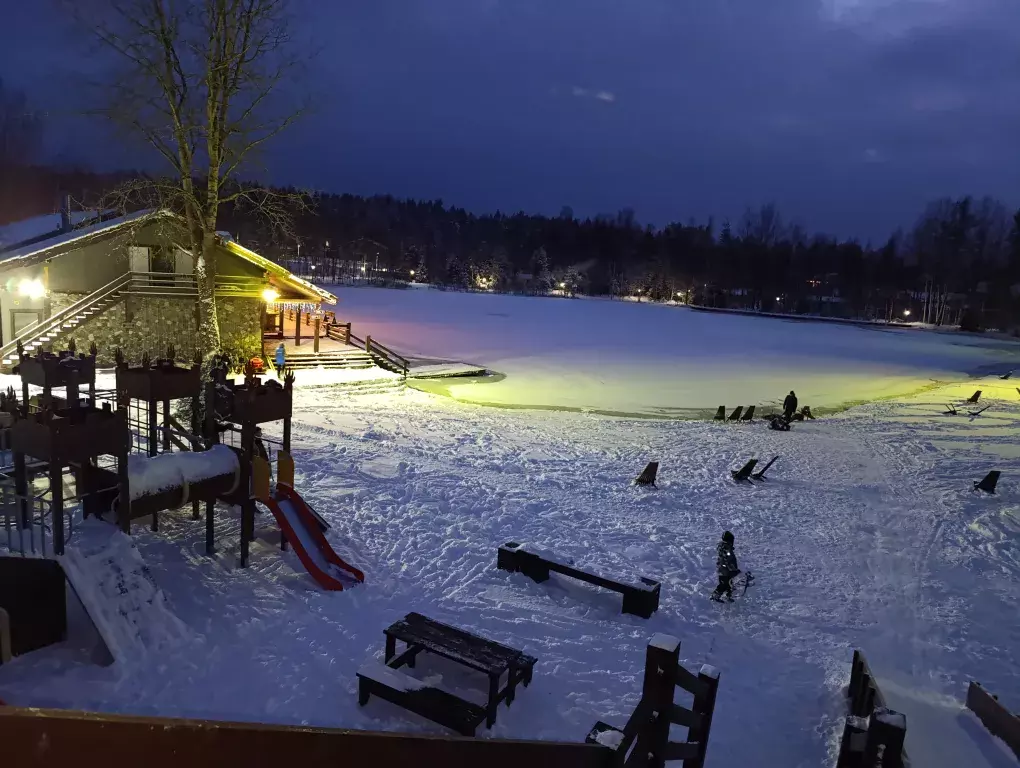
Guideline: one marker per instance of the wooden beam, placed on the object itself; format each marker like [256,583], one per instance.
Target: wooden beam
[127,742]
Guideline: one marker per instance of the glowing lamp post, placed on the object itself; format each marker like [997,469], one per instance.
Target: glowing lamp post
[270,295]
[906,313]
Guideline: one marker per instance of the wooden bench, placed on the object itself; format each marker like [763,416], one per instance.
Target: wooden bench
[433,704]
[640,599]
[420,633]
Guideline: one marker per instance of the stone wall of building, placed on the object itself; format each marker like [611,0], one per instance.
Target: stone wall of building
[141,324]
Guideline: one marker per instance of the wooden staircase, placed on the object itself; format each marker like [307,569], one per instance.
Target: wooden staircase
[332,359]
[43,332]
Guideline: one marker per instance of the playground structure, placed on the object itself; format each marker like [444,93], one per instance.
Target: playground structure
[132,458]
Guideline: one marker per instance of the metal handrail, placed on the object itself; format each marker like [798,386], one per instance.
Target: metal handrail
[40,327]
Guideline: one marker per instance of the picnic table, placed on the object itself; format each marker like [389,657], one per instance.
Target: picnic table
[505,668]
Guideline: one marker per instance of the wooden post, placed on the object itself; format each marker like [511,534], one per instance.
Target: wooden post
[315,344]
[704,705]
[56,506]
[212,437]
[124,502]
[888,729]
[21,488]
[153,412]
[662,658]
[244,487]
[167,445]
[297,329]
[851,746]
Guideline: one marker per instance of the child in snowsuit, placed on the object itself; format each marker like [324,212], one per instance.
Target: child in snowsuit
[726,567]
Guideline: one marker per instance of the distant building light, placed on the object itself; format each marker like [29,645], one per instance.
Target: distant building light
[778,298]
[270,295]
[313,267]
[412,273]
[31,289]
[563,285]
[906,313]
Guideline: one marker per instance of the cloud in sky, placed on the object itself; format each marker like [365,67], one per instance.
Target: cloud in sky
[728,103]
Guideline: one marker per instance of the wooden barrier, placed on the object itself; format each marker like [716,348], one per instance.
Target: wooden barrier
[6,654]
[996,718]
[40,738]
[33,595]
[647,730]
[871,729]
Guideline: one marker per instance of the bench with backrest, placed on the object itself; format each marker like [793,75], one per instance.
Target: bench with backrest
[640,596]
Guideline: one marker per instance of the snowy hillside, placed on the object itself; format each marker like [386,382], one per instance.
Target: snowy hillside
[867,535]
[639,359]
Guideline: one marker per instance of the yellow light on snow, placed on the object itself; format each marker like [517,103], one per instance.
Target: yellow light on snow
[31,289]
[270,295]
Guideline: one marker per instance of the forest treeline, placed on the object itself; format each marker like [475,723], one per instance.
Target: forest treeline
[958,263]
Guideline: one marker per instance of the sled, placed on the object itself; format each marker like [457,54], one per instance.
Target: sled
[748,414]
[974,398]
[720,415]
[760,474]
[979,411]
[989,482]
[648,475]
[736,414]
[744,473]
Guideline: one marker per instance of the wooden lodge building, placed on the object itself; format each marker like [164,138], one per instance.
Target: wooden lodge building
[127,282]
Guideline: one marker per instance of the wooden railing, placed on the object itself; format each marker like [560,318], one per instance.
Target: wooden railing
[165,743]
[644,740]
[996,718]
[871,729]
[339,332]
[386,357]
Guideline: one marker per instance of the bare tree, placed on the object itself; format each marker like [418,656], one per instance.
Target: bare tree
[198,81]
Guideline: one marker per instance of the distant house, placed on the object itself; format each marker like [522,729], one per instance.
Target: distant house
[127,282]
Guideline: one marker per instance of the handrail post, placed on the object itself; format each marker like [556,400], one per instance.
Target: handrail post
[662,657]
[704,705]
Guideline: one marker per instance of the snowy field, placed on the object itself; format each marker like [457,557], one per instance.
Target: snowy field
[652,360]
[866,536]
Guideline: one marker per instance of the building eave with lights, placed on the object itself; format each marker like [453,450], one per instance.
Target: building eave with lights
[142,276]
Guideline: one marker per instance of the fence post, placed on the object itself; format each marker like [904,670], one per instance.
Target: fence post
[297,329]
[315,344]
[888,729]
[662,658]
[704,705]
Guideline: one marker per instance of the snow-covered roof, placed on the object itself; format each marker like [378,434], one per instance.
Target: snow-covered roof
[25,255]
[315,293]
[40,249]
[19,232]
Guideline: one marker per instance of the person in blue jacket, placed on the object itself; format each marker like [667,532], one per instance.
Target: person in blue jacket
[281,359]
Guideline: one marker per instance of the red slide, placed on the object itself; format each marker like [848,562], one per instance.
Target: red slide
[302,531]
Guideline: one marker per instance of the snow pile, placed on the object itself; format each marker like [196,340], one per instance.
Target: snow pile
[148,475]
[611,739]
[129,610]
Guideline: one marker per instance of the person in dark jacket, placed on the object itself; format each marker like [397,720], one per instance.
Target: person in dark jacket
[790,405]
[726,567]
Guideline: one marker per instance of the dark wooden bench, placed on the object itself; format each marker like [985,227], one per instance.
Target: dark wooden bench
[420,633]
[434,704]
[640,599]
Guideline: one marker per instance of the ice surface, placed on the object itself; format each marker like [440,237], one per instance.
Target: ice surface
[657,360]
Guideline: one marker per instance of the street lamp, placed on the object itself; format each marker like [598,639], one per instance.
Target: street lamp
[412,273]
[906,313]
[270,295]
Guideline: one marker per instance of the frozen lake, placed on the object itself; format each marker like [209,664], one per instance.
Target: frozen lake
[653,360]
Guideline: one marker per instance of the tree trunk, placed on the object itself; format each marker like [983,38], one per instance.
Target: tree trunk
[205,277]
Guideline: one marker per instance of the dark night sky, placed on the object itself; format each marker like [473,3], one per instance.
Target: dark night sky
[850,114]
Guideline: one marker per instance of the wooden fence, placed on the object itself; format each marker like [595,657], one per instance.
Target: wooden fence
[996,718]
[40,738]
[644,740]
[873,734]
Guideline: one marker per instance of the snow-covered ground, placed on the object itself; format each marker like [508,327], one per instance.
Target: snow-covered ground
[621,357]
[867,535]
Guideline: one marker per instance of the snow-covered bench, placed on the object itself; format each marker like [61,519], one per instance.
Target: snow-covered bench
[640,596]
[392,685]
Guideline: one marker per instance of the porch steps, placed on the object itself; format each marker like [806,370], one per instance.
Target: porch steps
[333,359]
